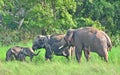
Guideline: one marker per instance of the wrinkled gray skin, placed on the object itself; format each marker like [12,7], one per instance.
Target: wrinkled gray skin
[54,44]
[13,53]
[90,40]
[26,52]
[19,53]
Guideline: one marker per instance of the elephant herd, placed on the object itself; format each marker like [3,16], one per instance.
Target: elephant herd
[86,39]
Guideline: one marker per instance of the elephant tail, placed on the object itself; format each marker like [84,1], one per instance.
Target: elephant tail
[109,43]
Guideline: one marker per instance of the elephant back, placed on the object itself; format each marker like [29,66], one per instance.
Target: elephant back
[57,37]
[16,49]
[56,41]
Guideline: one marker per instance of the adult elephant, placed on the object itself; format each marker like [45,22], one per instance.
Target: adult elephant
[53,44]
[89,39]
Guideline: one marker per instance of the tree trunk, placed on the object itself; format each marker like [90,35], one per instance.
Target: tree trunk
[54,9]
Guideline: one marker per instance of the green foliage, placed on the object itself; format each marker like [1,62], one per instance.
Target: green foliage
[87,22]
[59,65]
[56,16]
[116,40]
[40,17]
[10,37]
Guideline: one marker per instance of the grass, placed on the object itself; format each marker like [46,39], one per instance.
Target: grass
[59,65]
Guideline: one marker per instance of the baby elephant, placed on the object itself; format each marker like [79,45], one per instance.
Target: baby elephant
[19,53]
[26,52]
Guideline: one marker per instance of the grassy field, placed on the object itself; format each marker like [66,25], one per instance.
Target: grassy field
[59,65]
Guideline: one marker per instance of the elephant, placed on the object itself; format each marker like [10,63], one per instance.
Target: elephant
[13,53]
[19,53]
[26,52]
[89,39]
[53,44]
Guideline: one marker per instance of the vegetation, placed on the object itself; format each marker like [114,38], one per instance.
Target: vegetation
[22,20]
[59,65]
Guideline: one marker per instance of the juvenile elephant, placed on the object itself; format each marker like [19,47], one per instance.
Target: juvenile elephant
[26,52]
[13,53]
[54,44]
[19,53]
[89,39]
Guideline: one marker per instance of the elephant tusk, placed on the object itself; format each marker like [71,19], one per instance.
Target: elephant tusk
[64,53]
[61,47]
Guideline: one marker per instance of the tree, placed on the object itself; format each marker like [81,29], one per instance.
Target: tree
[34,17]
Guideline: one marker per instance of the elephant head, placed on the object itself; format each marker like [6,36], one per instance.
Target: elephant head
[69,36]
[40,42]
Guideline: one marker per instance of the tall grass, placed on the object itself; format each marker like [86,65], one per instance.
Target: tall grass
[60,65]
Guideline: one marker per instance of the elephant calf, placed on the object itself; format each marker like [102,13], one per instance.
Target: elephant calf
[19,53]
[26,52]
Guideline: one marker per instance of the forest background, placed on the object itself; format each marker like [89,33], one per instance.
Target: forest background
[22,20]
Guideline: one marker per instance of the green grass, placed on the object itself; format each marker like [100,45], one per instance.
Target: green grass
[59,65]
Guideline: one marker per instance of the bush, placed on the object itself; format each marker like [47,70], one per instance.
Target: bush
[116,40]
[8,36]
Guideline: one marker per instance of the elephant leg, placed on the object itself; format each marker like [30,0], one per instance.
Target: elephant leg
[12,57]
[16,57]
[9,55]
[78,53]
[104,53]
[23,58]
[20,57]
[87,54]
[71,50]
[48,54]
[9,58]
[31,57]
[48,57]
[106,56]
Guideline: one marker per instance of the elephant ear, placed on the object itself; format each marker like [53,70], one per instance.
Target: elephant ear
[69,35]
[39,38]
[46,39]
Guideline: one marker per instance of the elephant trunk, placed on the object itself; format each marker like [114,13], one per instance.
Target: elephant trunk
[33,52]
[37,53]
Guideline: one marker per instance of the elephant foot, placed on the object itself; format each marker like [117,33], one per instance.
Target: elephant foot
[48,60]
